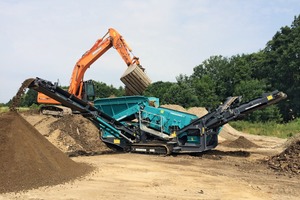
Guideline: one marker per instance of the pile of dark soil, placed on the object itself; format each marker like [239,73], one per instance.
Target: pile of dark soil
[241,142]
[287,161]
[28,160]
[84,133]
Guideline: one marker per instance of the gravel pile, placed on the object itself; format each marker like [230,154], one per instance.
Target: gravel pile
[288,161]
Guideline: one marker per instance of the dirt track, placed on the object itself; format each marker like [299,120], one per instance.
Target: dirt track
[225,173]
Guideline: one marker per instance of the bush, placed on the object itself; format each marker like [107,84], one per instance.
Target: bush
[268,114]
[281,130]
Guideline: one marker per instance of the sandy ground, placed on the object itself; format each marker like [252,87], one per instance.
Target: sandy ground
[224,173]
[216,175]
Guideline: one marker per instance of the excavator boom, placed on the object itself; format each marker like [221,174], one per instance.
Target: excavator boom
[134,78]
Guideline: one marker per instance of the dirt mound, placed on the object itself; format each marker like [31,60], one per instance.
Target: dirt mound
[291,140]
[72,134]
[28,160]
[199,111]
[240,142]
[287,161]
[78,135]
[174,107]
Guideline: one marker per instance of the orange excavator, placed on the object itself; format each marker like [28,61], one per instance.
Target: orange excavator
[134,78]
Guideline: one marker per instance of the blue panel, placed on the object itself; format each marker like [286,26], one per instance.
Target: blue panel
[114,106]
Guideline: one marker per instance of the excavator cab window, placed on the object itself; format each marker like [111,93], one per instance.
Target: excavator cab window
[89,91]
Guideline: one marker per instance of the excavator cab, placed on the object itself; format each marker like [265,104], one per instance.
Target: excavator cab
[88,91]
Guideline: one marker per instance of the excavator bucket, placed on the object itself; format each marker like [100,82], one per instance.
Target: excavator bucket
[135,80]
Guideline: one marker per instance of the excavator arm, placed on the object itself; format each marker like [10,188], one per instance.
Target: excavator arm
[111,39]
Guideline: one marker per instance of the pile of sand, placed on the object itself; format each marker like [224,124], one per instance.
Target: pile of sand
[174,107]
[288,161]
[77,136]
[28,160]
[240,142]
[72,134]
[199,111]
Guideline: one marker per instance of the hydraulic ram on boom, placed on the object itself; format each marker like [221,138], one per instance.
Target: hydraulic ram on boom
[138,124]
[134,78]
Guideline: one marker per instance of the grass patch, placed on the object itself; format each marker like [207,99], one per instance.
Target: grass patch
[269,129]
[6,109]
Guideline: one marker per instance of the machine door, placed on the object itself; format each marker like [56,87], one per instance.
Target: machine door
[88,90]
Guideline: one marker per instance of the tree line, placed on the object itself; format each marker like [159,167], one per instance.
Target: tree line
[276,66]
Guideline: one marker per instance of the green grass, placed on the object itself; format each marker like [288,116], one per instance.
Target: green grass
[269,129]
[6,109]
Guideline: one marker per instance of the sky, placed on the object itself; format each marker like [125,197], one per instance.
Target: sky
[46,38]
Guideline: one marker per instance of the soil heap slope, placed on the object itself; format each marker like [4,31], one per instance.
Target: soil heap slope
[240,142]
[84,136]
[28,160]
[288,161]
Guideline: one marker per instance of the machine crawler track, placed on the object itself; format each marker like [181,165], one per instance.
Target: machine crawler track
[151,148]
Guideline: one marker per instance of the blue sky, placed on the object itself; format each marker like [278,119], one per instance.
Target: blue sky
[46,38]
